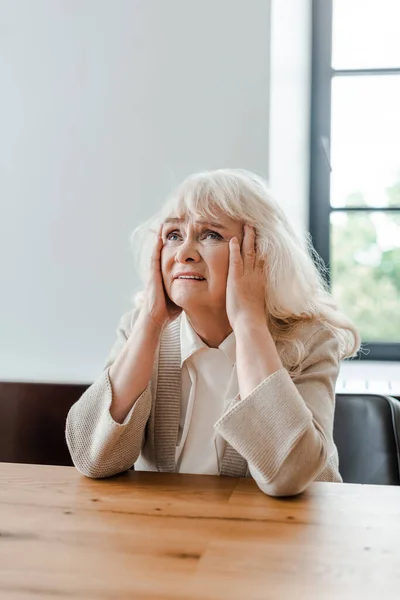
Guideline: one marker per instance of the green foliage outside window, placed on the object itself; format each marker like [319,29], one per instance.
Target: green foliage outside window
[365,267]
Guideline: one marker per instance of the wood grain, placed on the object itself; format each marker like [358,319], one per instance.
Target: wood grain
[171,537]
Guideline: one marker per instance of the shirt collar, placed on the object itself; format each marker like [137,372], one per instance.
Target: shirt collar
[191,342]
[228,347]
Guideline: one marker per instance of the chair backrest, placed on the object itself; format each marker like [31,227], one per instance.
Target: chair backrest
[32,421]
[367,435]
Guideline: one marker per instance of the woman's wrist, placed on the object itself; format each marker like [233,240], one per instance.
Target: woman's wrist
[151,325]
[250,322]
[256,355]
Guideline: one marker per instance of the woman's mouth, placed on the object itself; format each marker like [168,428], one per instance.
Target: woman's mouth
[189,276]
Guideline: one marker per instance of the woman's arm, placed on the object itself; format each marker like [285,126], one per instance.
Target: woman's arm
[131,372]
[284,427]
[256,354]
[105,428]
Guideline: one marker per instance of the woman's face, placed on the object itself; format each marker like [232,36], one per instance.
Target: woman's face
[195,260]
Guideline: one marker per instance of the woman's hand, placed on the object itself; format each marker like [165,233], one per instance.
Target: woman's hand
[157,305]
[245,288]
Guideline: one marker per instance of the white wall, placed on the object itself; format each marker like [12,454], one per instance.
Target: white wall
[104,105]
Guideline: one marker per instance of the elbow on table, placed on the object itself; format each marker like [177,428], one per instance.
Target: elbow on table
[292,480]
[96,465]
[95,470]
[277,489]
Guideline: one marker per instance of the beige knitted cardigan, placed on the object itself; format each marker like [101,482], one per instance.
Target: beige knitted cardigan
[283,429]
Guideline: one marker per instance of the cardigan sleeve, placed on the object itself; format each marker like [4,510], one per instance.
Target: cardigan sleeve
[284,428]
[99,446]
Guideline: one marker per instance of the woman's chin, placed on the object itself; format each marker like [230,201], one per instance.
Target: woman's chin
[186,301]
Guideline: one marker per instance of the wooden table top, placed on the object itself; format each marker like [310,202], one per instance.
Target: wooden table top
[166,536]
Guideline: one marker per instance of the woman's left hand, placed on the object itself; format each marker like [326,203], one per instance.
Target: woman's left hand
[245,288]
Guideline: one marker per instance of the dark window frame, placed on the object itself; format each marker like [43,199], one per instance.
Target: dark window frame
[320,208]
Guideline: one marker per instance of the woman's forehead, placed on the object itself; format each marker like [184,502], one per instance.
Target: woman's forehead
[218,219]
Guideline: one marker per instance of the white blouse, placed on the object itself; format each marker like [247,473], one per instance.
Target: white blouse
[209,385]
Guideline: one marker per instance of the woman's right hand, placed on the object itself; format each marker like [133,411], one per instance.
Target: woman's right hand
[157,305]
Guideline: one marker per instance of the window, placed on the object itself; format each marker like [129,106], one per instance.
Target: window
[355,163]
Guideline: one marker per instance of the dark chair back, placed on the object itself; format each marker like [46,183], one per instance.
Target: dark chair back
[367,435]
[32,421]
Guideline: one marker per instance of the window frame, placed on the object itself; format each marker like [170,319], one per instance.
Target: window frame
[320,169]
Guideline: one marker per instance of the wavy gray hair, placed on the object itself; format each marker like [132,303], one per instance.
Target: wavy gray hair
[296,290]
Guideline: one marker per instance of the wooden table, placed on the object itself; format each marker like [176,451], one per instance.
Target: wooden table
[167,536]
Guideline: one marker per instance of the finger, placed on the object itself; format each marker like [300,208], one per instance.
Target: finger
[249,248]
[235,258]
[156,254]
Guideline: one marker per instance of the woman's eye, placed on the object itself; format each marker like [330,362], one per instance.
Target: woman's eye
[173,236]
[212,235]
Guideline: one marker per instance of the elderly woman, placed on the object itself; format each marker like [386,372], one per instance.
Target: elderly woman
[228,363]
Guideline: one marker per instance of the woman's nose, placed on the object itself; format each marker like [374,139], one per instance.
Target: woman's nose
[187,252]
